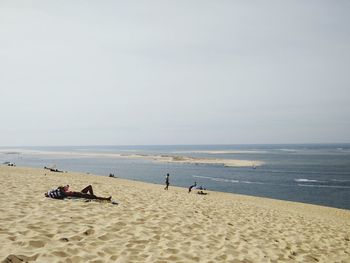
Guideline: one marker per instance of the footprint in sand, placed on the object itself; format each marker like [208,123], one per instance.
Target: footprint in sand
[89,232]
[12,238]
[76,238]
[60,254]
[64,239]
[105,237]
[36,244]
[19,258]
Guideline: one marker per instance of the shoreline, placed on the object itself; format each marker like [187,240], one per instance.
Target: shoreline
[16,151]
[154,225]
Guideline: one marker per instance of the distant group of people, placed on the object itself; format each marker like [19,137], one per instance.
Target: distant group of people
[9,164]
[199,188]
[53,169]
[194,186]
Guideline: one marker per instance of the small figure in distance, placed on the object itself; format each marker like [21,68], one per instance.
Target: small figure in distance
[192,186]
[111,175]
[201,188]
[63,191]
[166,182]
[53,169]
[9,164]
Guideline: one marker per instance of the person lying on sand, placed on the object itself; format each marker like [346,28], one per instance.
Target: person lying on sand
[53,169]
[63,191]
[194,186]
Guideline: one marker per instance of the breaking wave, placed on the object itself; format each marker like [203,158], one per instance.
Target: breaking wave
[308,180]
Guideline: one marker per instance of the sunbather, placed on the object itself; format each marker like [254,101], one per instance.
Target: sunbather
[63,191]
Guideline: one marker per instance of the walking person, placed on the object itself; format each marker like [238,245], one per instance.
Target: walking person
[166,182]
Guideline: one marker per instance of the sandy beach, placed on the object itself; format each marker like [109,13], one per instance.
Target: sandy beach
[154,225]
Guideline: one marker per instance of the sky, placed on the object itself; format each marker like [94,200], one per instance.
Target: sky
[174,72]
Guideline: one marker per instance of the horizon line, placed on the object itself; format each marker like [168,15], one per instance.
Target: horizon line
[210,144]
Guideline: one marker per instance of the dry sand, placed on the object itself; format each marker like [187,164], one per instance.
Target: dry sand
[154,225]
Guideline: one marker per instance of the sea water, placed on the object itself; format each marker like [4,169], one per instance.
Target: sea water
[316,174]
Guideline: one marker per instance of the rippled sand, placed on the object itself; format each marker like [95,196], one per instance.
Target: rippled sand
[153,225]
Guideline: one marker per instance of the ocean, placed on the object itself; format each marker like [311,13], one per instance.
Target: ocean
[309,173]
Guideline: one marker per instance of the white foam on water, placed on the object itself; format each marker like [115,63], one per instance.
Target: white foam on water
[305,180]
[227,180]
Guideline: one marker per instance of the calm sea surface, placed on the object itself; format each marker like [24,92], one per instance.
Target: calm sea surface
[316,174]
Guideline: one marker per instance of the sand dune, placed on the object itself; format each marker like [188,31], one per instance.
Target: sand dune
[153,225]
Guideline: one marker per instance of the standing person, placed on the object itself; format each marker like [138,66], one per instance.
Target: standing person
[166,182]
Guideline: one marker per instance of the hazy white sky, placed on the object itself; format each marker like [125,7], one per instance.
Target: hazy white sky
[174,72]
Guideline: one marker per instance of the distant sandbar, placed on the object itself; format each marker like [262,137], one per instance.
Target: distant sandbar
[150,157]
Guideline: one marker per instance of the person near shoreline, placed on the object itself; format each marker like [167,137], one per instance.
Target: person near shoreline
[166,182]
[63,191]
[192,186]
[53,169]
[199,188]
